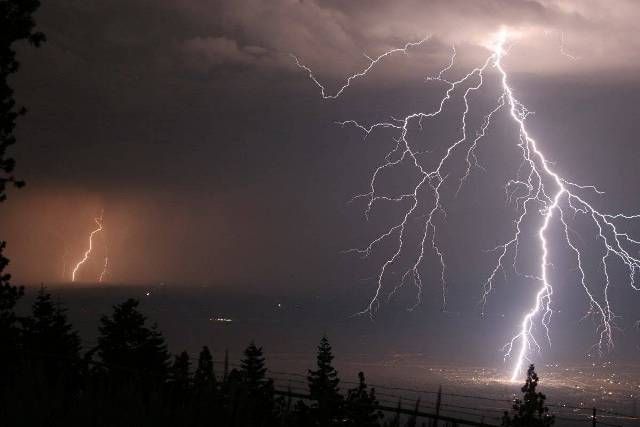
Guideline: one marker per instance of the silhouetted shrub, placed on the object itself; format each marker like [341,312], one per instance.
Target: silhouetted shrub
[361,405]
[530,410]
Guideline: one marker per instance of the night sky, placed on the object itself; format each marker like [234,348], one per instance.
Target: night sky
[216,161]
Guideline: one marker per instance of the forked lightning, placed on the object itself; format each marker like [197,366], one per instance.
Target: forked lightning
[537,191]
[99,229]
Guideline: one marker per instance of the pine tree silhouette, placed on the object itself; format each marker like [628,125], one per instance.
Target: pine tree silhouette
[9,331]
[181,370]
[257,388]
[323,387]
[51,363]
[206,397]
[530,410]
[204,377]
[48,336]
[253,368]
[16,24]
[126,343]
[360,406]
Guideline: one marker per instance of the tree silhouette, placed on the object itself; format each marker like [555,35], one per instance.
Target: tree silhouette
[323,387]
[205,394]
[257,390]
[9,331]
[360,406]
[181,370]
[253,368]
[530,410]
[17,24]
[126,343]
[48,335]
[50,360]
[204,377]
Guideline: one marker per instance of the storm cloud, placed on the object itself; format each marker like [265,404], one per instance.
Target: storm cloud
[214,158]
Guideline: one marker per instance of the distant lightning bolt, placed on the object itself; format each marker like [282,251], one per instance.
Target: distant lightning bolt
[537,190]
[105,267]
[100,229]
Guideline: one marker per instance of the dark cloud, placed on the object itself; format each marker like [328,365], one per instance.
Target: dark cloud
[332,35]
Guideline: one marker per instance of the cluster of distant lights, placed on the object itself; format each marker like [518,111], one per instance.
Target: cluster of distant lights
[221,319]
[596,385]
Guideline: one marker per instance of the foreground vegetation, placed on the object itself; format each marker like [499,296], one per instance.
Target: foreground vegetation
[130,379]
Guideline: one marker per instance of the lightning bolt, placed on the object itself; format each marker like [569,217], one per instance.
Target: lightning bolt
[536,191]
[105,267]
[100,229]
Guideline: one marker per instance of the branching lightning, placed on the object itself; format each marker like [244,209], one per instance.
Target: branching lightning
[99,229]
[537,192]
